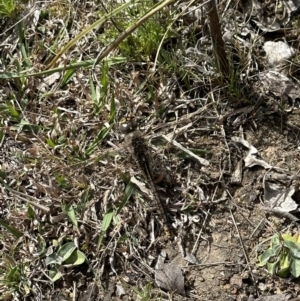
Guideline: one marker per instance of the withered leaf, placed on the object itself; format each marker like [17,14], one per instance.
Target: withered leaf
[170,278]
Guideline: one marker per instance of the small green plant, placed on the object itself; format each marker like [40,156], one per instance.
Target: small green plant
[145,38]
[145,293]
[13,277]
[67,255]
[283,256]
[7,8]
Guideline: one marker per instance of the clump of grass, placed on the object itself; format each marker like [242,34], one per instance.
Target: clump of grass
[8,8]
[66,153]
[144,42]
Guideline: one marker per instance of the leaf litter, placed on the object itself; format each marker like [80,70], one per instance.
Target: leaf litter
[77,167]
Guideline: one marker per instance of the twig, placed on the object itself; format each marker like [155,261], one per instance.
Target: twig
[175,143]
[280,213]
[34,203]
[243,247]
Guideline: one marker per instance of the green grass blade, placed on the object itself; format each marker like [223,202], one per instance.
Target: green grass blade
[67,76]
[90,28]
[71,214]
[83,64]
[101,135]
[129,190]
[11,229]
[23,45]
[105,225]
[104,83]
[113,110]
[94,95]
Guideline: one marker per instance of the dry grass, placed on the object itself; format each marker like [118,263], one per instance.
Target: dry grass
[66,171]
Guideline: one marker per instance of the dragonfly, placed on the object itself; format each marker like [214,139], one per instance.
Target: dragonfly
[153,170]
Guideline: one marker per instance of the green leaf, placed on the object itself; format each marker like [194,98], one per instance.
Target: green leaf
[53,259]
[283,273]
[287,237]
[26,126]
[13,111]
[2,174]
[107,219]
[50,143]
[100,136]
[54,274]
[284,264]
[67,76]
[11,229]
[113,110]
[284,259]
[76,258]
[94,95]
[61,181]
[1,135]
[275,241]
[55,243]
[71,214]
[293,247]
[296,238]
[30,212]
[129,190]
[66,250]
[104,82]
[14,274]
[105,224]
[271,267]
[268,255]
[295,267]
